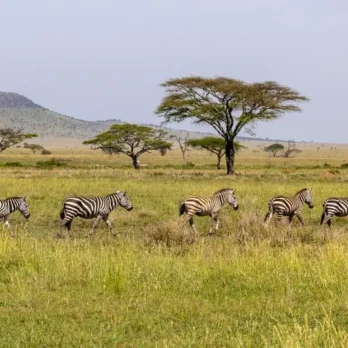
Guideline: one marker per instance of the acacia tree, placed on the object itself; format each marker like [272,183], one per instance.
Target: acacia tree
[214,145]
[291,149]
[10,137]
[226,104]
[131,140]
[33,147]
[274,149]
[182,142]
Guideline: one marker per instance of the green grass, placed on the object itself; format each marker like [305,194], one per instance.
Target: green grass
[153,285]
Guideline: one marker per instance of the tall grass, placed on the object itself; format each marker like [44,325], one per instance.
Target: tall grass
[155,284]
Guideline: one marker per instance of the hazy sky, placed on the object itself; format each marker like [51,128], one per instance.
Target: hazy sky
[105,59]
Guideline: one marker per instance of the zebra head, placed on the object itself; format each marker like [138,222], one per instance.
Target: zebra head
[231,199]
[23,208]
[308,198]
[124,200]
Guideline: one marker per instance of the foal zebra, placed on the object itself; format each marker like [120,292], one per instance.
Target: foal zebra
[333,207]
[203,206]
[9,205]
[93,207]
[289,206]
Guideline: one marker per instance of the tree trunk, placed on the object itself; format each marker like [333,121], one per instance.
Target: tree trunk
[230,152]
[184,156]
[218,164]
[136,163]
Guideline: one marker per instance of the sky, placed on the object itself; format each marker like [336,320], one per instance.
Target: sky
[97,60]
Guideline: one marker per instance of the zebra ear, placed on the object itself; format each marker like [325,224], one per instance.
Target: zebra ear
[24,198]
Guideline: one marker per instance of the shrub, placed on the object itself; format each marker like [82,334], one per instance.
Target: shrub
[45,152]
[51,163]
[169,234]
[344,165]
[327,165]
[188,165]
[13,164]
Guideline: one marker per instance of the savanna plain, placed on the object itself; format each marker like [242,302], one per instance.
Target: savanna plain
[154,285]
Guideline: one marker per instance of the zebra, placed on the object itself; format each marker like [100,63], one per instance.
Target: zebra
[9,205]
[289,206]
[203,206]
[334,206]
[92,207]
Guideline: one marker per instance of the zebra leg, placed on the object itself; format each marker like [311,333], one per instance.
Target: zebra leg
[279,218]
[64,223]
[68,226]
[290,220]
[300,219]
[214,219]
[267,217]
[326,220]
[192,225]
[99,217]
[106,220]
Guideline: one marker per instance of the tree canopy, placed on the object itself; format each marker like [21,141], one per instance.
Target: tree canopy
[228,105]
[10,137]
[131,140]
[274,149]
[33,147]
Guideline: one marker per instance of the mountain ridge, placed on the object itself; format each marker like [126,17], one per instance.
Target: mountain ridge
[18,111]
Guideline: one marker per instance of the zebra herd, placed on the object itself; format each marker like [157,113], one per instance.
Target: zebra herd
[100,208]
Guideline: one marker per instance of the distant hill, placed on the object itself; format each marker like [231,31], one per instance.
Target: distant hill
[17,111]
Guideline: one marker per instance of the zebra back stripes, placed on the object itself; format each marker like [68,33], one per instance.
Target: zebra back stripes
[203,206]
[334,206]
[290,206]
[92,207]
[9,205]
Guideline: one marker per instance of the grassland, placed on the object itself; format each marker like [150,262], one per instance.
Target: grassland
[153,285]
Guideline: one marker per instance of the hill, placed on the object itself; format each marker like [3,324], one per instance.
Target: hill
[17,111]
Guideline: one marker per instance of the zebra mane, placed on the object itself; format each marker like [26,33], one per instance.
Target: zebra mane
[222,191]
[303,190]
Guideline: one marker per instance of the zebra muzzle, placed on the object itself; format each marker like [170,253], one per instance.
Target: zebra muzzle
[129,209]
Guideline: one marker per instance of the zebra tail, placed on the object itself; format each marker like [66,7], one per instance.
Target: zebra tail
[62,215]
[182,209]
[270,211]
[323,214]
[322,217]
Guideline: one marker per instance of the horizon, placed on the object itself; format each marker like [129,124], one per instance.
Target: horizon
[169,126]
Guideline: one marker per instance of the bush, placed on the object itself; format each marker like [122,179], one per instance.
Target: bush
[327,165]
[51,163]
[169,234]
[13,164]
[344,165]
[188,165]
[45,152]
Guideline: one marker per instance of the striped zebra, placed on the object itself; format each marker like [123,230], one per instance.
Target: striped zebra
[334,206]
[92,207]
[203,206]
[289,206]
[9,205]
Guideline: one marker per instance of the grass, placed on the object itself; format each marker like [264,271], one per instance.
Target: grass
[154,285]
